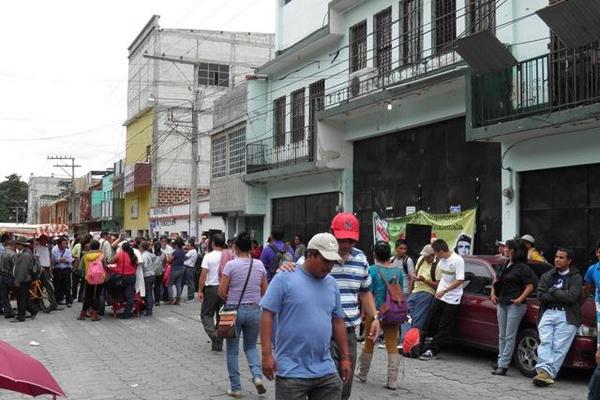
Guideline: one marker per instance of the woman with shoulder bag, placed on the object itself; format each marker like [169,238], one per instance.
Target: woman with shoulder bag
[513,284]
[383,269]
[242,285]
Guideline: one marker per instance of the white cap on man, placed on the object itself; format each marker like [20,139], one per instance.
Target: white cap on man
[427,251]
[326,244]
[528,238]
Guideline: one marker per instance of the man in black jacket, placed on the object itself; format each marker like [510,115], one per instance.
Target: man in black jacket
[559,292]
[23,268]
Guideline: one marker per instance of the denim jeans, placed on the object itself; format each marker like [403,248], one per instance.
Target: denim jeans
[326,388]
[419,304]
[556,336]
[247,323]
[594,387]
[188,280]
[509,319]
[149,299]
[177,280]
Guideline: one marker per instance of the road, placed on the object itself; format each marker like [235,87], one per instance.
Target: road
[167,356]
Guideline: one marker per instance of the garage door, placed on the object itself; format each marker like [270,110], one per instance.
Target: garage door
[304,215]
[561,207]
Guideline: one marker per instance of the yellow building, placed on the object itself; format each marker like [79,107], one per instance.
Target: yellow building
[137,181]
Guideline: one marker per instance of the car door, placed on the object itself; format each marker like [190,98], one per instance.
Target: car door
[477,321]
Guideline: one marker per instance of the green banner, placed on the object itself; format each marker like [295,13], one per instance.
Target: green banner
[457,229]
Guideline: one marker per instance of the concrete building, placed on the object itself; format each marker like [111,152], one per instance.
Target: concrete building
[363,109]
[543,111]
[42,191]
[159,106]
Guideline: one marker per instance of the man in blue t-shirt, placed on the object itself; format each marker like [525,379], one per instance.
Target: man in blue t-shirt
[592,280]
[308,309]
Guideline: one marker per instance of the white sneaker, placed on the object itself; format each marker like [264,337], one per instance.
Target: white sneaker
[428,355]
[260,387]
[381,346]
[234,393]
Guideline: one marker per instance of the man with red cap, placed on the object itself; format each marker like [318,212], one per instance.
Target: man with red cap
[353,279]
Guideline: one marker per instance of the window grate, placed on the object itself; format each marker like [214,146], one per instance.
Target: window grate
[383,40]
[316,93]
[219,157]
[279,121]
[445,25]
[481,16]
[411,32]
[213,75]
[358,46]
[237,151]
[298,115]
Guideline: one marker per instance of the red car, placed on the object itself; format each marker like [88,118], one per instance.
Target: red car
[478,325]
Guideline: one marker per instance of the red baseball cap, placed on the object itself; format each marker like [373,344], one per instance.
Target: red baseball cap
[345,226]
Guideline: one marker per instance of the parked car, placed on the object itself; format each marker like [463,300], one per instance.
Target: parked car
[477,324]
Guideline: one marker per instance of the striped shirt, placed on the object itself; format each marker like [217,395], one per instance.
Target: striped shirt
[352,277]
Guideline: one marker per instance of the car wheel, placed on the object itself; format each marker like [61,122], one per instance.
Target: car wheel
[525,355]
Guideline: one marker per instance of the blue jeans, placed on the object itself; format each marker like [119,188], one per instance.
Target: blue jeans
[509,319]
[248,322]
[556,336]
[419,304]
[594,388]
[177,280]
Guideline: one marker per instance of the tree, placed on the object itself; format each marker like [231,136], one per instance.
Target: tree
[13,194]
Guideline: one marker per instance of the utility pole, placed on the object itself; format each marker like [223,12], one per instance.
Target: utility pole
[71,174]
[194,139]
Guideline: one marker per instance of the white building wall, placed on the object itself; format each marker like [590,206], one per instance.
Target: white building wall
[37,187]
[298,19]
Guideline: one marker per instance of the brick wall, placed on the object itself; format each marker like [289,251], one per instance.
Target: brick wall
[168,196]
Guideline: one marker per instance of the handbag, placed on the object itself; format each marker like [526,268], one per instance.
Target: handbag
[227,317]
[394,309]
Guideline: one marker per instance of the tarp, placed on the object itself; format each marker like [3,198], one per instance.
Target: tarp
[457,229]
[30,230]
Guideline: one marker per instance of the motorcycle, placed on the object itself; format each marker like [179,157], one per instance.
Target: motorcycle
[41,292]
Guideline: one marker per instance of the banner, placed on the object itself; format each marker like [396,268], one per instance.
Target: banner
[457,229]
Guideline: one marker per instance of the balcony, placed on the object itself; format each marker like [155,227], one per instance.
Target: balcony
[547,84]
[136,176]
[275,152]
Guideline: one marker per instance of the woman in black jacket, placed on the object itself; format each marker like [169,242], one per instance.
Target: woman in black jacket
[513,284]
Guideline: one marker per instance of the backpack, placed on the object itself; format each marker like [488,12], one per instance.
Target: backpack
[411,344]
[95,273]
[280,257]
[395,308]
[432,271]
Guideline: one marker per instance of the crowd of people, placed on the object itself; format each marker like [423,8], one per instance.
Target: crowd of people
[306,302]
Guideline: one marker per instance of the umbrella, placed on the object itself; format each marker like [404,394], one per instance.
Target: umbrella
[24,374]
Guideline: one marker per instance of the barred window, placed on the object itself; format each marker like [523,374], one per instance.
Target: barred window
[358,46]
[298,115]
[219,157]
[316,92]
[481,15]
[411,31]
[444,25]
[279,121]
[383,40]
[237,151]
[213,75]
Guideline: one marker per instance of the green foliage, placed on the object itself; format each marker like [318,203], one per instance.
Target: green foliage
[13,193]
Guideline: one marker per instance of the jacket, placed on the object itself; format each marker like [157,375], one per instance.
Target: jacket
[7,259]
[569,297]
[24,266]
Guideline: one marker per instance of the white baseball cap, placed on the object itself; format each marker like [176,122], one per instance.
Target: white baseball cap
[326,244]
[528,238]
[427,251]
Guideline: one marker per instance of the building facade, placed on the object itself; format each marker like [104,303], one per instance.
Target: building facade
[42,192]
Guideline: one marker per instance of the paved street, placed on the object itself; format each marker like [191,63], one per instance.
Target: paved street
[168,357]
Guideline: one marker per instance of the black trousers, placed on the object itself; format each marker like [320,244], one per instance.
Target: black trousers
[6,308]
[77,285]
[129,282]
[62,285]
[210,309]
[22,298]
[441,324]
[91,298]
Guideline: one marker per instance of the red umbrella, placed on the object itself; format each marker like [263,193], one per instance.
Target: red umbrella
[24,374]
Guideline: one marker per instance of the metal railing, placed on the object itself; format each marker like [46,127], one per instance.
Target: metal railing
[291,148]
[544,84]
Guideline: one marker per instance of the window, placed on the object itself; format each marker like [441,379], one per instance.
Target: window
[213,75]
[219,157]
[444,25]
[411,31]
[298,115]
[237,151]
[316,93]
[383,40]
[481,15]
[358,46]
[477,277]
[148,152]
[279,121]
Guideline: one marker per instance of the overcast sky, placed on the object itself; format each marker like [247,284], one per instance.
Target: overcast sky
[64,72]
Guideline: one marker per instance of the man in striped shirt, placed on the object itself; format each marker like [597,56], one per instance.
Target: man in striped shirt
[353,281]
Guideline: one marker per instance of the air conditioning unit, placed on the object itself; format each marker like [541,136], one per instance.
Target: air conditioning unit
[362,82]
